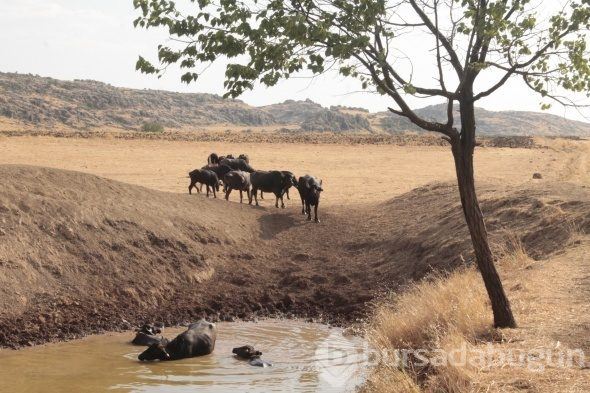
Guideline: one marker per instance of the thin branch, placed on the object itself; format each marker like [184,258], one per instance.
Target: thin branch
[445,43]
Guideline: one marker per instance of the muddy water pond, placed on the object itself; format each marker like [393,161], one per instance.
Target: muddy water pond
[109,363]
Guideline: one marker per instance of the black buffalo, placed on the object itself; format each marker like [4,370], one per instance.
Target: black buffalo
[206,177]
[229,156]
[213,159]
[270,181]
[197,340]
[309,189]
[237,164]
[220,170]
[237,180]
[244,157]
[147,335]
[247,352]
[291,182]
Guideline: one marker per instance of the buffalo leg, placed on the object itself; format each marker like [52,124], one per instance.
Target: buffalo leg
[261,196]
[194,184]
[241,196]
[227,194]
[255,195]
[287,192]
[308,210]
[315,210]
[249,194]
[214,195]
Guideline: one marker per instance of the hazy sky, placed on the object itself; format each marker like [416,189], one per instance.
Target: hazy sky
[95,39]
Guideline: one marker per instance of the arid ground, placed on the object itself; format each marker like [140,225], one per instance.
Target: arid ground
[354,174]
[100,234]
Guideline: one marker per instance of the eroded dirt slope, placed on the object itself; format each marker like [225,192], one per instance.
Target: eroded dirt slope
[82,254]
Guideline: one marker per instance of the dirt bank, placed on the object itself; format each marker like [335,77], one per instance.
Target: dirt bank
[82,254]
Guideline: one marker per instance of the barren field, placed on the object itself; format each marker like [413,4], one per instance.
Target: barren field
[352,174]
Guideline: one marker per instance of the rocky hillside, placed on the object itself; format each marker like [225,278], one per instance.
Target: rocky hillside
[311,116]
[85,104]
[505,123]
[31,102]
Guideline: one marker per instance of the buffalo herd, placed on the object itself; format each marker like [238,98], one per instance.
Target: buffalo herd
[237,174]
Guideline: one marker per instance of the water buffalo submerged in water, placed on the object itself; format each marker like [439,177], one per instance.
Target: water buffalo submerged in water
[247,352]
[197,340]
[309,190]
[147,335]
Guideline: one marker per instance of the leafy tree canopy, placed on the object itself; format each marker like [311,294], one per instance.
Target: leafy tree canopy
[544,42]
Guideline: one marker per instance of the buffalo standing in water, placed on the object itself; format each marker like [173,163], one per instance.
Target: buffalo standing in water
[197,340]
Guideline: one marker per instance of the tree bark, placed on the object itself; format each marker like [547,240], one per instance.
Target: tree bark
[463,148]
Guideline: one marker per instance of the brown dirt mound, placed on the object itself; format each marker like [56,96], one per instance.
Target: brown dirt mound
[81,254]
[75,246]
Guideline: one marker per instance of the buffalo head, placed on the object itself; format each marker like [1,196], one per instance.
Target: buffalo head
[246,352]
[156,351]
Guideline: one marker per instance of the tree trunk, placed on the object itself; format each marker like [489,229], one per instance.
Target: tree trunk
[463,148]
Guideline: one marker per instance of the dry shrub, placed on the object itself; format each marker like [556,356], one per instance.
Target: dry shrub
[439,313]
[431,309]
[512,254]
[389,379]
[452,377]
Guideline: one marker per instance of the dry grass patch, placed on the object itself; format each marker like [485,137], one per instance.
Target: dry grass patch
[438,313]
[512,254]
[432,309]
[448,312]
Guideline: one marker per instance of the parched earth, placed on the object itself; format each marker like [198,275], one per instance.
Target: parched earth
[82,254]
